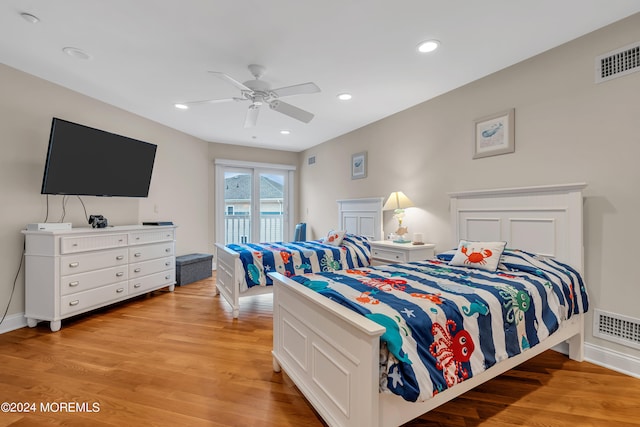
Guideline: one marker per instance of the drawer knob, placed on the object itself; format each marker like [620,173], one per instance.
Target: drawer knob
[119,274]
[137,270]
[137,285]
[74,284]
[167,263]
[74,302]
[120,257]
[167,250]
[120,290]
[137,255]
[167,277]
[74,264]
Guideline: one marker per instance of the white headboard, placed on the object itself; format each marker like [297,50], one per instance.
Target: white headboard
[361,216]
[546,220]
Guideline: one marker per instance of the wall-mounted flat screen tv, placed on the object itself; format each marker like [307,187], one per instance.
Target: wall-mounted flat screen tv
[85,161]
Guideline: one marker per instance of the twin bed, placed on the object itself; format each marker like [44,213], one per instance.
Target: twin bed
[351,341]
[242,270]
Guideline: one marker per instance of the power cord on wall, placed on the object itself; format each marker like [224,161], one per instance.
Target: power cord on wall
[24,247]
[15,281]
[65,199]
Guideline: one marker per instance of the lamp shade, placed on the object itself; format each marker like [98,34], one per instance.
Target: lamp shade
[397,200]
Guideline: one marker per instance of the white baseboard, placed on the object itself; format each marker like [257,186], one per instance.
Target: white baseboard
[13,322]
[611,359]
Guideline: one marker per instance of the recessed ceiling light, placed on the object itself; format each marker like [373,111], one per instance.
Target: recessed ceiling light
[29,17]
[285,132]
[181,106]
[428,46]
[344,96]
[76,53]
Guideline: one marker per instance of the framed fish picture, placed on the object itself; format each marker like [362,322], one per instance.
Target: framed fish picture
[359,165]
[494,134]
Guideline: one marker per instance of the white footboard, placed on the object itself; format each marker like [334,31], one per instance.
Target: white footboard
[229,276]
[332,355]
[226,283]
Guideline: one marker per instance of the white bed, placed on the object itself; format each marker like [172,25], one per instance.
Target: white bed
[357,216]
[332,353]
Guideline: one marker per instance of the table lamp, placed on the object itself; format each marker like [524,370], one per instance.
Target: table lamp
[398,202]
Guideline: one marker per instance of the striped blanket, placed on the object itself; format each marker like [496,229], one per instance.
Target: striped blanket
[445,324]
[292,258]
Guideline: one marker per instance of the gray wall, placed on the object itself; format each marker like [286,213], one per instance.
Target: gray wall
[568,129]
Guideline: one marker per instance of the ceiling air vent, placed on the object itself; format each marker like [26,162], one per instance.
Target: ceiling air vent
[618,63]
[617,328]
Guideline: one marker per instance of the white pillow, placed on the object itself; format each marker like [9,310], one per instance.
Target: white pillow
[482,255]
[334,237]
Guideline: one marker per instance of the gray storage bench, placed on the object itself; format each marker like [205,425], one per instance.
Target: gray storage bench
[193,267]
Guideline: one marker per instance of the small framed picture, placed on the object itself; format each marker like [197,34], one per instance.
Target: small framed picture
[359,165]
[494,134]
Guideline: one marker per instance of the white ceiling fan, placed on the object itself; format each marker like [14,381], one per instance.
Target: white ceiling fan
[259,93]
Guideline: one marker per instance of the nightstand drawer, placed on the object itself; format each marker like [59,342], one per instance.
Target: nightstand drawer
[386,251]
[388,255]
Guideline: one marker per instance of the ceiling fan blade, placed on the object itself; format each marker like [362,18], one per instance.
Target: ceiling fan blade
[212,101]
[291,111]
[296,89]
[231,80]
[252,116]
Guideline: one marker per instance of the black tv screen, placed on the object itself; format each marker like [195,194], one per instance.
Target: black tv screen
[85,161]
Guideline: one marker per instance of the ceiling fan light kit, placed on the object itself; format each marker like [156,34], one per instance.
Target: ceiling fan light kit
[259,92]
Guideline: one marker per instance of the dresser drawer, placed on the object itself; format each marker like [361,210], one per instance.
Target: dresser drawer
[143,253]
[140,269]
[388,255]
[142,237]
[75,244]
[73,264]
[83,301]
[152,281]
[92,279]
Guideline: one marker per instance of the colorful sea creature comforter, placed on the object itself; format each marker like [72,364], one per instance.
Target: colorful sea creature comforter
[293,258]
[445,324]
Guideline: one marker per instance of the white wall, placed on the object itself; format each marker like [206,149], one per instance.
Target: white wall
[568,129]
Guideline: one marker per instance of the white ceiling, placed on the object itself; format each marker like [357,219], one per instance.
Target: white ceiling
[147,55]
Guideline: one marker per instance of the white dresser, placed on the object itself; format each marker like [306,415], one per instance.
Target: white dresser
[69,272]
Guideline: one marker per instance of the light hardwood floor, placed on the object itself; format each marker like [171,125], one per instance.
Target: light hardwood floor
[179,359]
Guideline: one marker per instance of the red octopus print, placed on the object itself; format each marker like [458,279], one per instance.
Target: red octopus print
[451,351]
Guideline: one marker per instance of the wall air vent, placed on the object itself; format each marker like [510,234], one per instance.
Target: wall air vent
[618,63]
[617,328]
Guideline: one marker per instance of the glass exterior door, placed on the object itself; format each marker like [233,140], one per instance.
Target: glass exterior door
[255,203]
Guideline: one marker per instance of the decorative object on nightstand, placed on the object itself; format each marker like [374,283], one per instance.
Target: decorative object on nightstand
[417,239]
[398,202]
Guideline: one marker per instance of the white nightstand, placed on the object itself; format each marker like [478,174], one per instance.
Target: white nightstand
[388,252]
